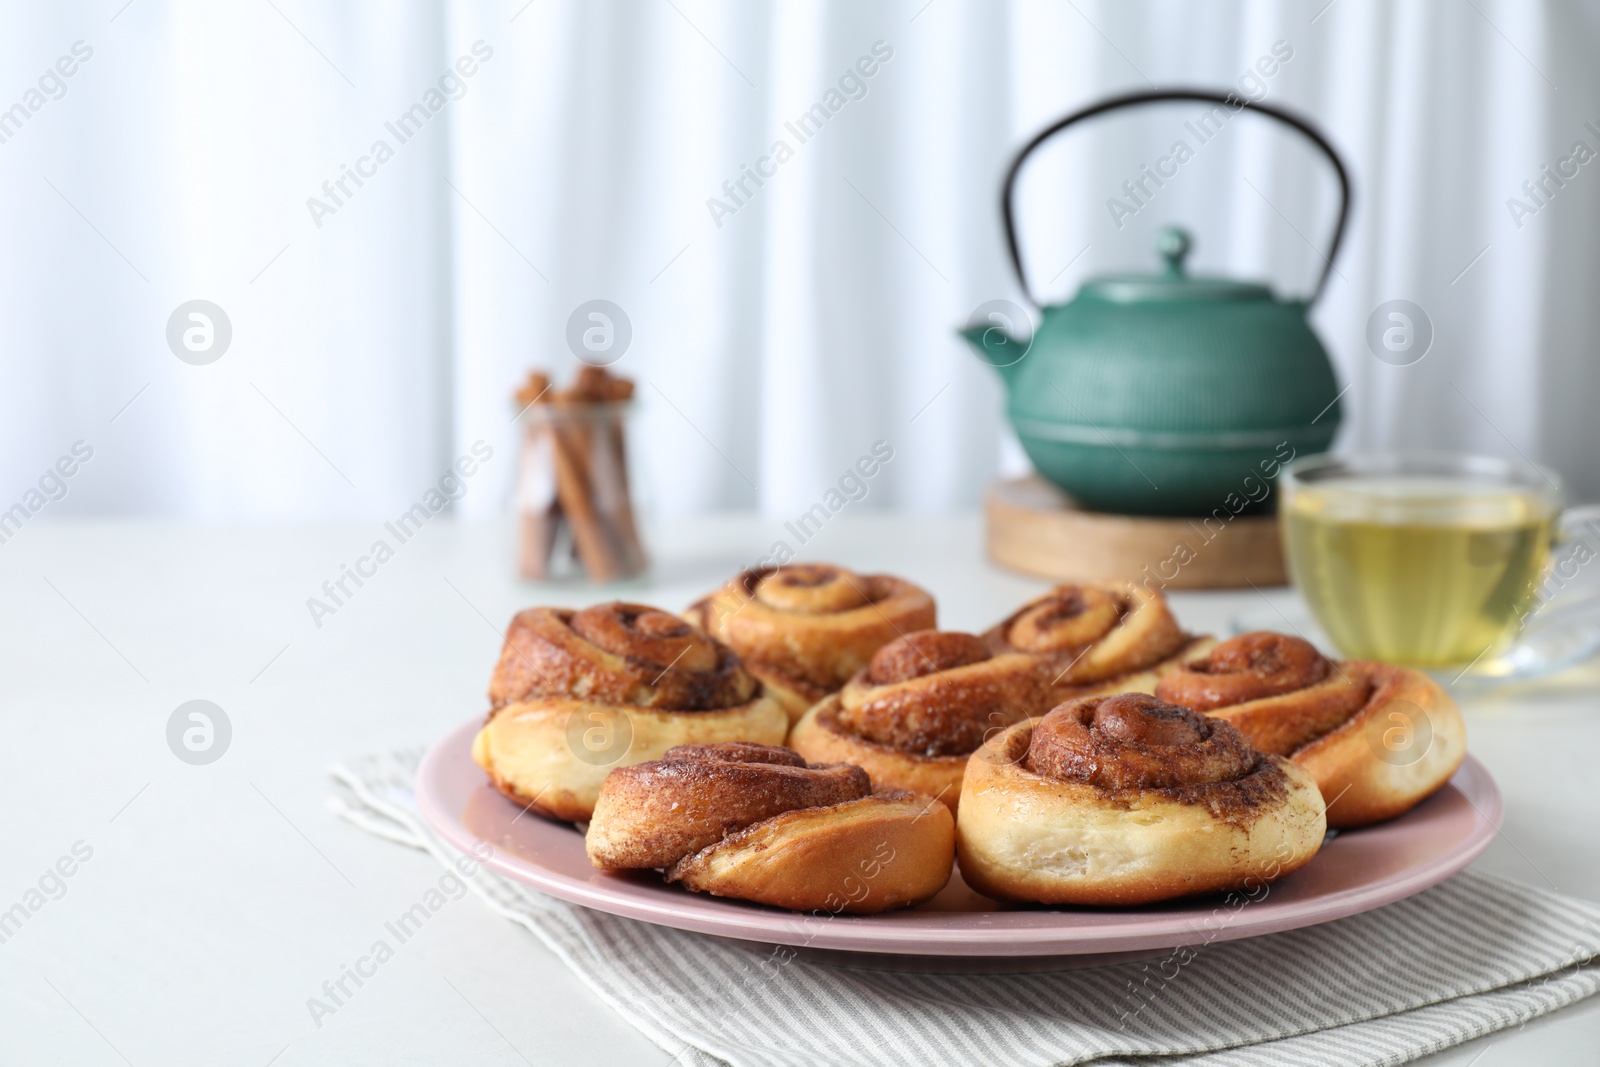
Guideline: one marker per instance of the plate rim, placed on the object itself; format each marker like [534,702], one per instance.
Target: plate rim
[742,921]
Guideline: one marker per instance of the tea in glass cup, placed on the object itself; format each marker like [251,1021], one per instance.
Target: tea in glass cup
[1425,559]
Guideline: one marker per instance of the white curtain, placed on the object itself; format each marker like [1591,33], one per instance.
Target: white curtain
[378,332]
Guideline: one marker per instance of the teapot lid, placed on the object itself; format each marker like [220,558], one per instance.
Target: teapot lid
[1172,283]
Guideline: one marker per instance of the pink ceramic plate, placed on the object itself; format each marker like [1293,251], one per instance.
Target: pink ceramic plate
[1354,872]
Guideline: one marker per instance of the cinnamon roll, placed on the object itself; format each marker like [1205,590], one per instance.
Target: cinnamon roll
[1108,637]
[758,823]
[1377,738]
[803,629]
[578,692]
[1126,799]
[920,707]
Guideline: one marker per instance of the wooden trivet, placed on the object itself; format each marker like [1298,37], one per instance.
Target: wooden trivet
[1032,526]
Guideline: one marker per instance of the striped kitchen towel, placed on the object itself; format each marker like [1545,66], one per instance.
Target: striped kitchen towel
[1471,956]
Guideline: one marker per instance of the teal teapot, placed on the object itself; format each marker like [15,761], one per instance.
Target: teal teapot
[1167,393]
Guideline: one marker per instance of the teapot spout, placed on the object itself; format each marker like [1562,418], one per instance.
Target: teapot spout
[997,347]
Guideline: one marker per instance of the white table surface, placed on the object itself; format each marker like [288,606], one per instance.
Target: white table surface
[219,898]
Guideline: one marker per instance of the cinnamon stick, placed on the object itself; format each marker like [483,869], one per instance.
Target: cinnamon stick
[575,478]
[586,450]
[611,390]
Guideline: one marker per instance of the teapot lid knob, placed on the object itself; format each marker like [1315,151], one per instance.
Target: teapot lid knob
[1173,244]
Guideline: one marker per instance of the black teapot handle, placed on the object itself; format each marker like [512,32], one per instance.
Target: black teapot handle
[1162,96]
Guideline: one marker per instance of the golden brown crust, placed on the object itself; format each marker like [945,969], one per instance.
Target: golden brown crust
[1131,742]
[921,653]
[1093,633]
[653,814]
[821,739]
[578,692]
[1252,666]
[617,653]
[1378,738]
[805,628]
[922,704]
[795,695]
[857,858]
[1059,810]
[934,693]
[926,700]
[1139,681]
[760,824]
[551,754]
[1404,705]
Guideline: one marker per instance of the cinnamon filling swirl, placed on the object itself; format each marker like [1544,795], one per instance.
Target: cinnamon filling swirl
[812,589]
[805,628]
[923,653]
[617,653]
[1092,634]
[1131,742]
[696,795]
[646,635]
[1248,667]
[1065,618]
[935,693]
[1294,694]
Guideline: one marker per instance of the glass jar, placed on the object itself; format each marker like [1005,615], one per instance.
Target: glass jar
[573,482]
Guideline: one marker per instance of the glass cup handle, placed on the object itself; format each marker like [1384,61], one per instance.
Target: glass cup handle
[1578,527]
[1586,514]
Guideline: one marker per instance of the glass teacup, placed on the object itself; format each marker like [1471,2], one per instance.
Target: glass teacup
[1429,559]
